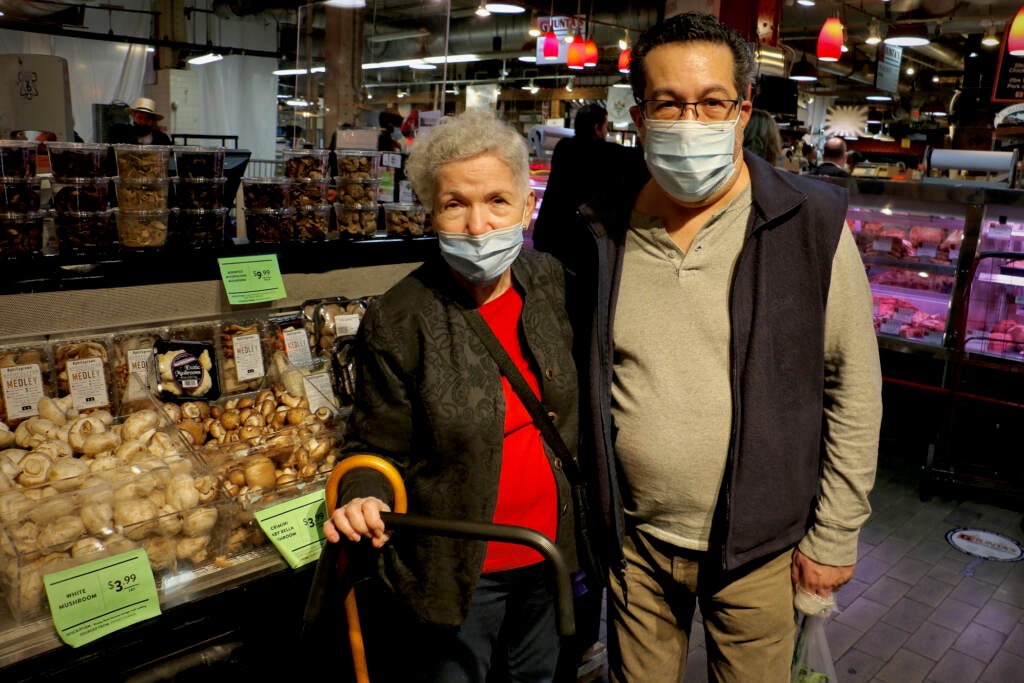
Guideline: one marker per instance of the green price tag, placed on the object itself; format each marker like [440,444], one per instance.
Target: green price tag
[251,279]
[96,598]
[295,527]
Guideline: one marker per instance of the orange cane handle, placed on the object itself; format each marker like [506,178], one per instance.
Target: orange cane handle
[374,462]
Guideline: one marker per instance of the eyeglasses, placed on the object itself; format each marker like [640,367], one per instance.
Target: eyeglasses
[710,109]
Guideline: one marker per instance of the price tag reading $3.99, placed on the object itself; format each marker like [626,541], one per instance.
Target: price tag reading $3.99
[96,598]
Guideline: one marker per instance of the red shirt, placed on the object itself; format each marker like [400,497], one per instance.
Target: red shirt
[527,495]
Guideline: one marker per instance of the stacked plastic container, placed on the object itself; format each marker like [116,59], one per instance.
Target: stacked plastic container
[21,221]
[293,207]
[143,195]
[307,171]
[199,196]
[80,203]
[355,204]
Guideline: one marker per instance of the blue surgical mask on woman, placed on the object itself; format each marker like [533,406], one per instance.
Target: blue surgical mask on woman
[482,259]
[690,160]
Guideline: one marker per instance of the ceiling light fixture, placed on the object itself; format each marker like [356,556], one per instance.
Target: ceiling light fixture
[297,102]
[503,8]
[289,72]
[569,84]
[874,33]
[907,35]
[879,97]
[990,39]
[910,71]
[830,40]
[577,52]
[346,4]
[590,53]
[803,71]
[625,57]
[481,11]
[805,3]
[208,58]
[621,83]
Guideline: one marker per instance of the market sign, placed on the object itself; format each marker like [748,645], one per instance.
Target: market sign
[987,545]
[887,72]
[1009,81]
[563,27]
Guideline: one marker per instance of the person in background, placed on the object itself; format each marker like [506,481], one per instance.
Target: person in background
[833,159]
[791,160]
[761,136]
[808,158]
[390,138]
[732,376]
[143,128]
[431,400]
[583,166]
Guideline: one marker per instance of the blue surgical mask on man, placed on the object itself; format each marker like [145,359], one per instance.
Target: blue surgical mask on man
[690,160]
[482,259]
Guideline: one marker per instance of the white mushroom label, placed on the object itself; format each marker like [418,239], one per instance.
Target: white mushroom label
[296,346]
[139,373]
[248,357]
[87,378]
[23,387]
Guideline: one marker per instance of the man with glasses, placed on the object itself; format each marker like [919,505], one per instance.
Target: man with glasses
[733,371]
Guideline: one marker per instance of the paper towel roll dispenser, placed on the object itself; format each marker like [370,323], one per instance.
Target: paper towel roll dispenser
[955,166]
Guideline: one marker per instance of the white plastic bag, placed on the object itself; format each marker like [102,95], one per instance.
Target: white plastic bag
[812,659]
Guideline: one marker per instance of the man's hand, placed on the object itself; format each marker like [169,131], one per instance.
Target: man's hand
[358,518]
[818,579]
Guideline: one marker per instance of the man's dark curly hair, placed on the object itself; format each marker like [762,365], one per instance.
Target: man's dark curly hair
[689,27]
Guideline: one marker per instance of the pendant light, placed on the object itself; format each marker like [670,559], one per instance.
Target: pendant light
[830,40]
[624,59]
[803,71]
[550,39]
[590,47]
[1015,41]
[907,35]
[577,52]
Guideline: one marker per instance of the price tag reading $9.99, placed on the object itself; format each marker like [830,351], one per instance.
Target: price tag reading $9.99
[96,598]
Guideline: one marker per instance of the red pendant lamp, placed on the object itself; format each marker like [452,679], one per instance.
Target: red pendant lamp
[1015,40]
[590,53]
[624,58]
[830,40]
[577,52]
[550,45]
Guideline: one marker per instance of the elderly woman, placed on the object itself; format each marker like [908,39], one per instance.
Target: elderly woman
[431,400]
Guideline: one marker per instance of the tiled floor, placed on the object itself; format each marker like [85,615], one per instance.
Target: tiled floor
[917,609]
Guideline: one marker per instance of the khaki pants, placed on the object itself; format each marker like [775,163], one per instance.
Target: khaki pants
[749,622]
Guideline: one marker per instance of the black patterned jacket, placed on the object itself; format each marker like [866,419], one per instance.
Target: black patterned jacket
[429,399]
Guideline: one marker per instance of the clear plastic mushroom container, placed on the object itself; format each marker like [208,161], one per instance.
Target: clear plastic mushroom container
[18,158]
[196,228]
[306,163]
[97,487]
[310,223]
[142,161]
[199,193]
[356,221]
[79,194]
[405,220]
[142,229]
[268,225]
[142,194]
[356,191]
[194,161]
[19,195]
[357,164]
[77,159]
[85,232]
[308,193]
[21,232]
[266,193]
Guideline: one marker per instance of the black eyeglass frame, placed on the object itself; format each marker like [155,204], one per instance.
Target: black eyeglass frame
[735,102]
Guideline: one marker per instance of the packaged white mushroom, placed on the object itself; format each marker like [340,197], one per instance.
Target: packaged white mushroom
[83,372]
[24,379]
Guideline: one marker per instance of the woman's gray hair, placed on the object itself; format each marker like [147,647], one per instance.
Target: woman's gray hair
[456,138]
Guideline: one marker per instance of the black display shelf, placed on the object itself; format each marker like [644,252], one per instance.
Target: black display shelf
[60,272]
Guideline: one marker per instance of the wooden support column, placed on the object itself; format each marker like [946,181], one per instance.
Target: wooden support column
[343,57]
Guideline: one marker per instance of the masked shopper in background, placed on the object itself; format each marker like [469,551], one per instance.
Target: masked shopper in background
[431,400]
[733,377]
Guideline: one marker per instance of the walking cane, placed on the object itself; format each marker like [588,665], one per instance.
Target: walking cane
[483,531]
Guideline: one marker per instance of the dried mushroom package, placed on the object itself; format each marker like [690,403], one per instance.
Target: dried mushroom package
[243,348]
[24,379]
[82,368]
[133,366]
[335,317]
[294,336]
[186,370]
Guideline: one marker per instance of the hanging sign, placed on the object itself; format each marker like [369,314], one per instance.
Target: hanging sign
[887,71]
[563,27]
[251,279]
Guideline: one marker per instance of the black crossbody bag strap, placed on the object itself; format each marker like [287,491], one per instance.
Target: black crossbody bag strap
[526,395]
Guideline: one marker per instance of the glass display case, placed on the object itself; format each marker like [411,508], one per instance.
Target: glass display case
[911,238]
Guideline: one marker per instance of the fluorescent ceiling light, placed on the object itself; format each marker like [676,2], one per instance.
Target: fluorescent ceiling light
[397,35]
[879,98]
[346,4]
[421,65]
[297,102]
[503,8]
[318,70]
[452,59]
[208,58]
[805,3]
[289,72]
[149,48]
[528,58]
[621,84]
[398,63]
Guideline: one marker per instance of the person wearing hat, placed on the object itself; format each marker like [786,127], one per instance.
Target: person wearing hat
[142,130]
